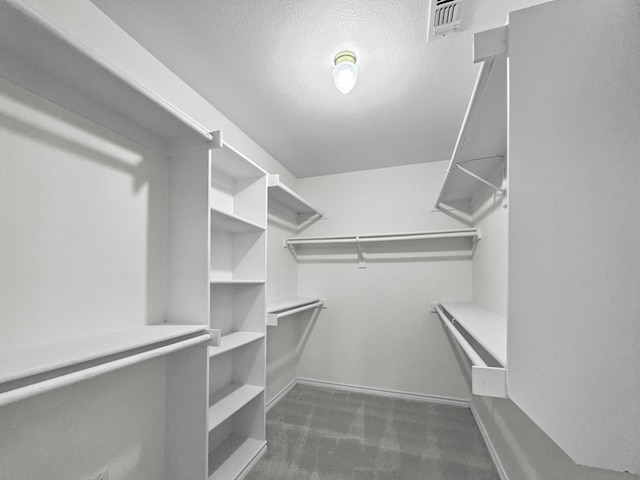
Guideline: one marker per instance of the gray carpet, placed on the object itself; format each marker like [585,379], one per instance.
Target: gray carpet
[323,434]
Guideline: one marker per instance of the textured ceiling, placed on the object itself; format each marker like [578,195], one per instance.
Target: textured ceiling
[267,65]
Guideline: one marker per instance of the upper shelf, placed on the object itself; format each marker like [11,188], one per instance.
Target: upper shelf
[36,369]
[45,59]
[478,160]
[284,200]
[457,243]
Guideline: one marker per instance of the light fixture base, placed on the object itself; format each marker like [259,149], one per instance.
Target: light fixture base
[344,56]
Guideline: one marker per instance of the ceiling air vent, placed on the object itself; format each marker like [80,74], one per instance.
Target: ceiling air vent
[444,17]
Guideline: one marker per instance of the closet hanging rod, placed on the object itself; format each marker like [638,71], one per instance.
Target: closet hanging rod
[464,344]
[77,376]
[309,306]
[77,45]
[472,232]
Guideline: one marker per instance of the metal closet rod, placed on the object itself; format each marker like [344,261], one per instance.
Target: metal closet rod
[77,45]
[470,232]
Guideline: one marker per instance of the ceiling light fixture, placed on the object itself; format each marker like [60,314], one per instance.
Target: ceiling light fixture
[345,72]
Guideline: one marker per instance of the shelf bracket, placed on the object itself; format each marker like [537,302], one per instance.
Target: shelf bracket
[362,254]
[480,179]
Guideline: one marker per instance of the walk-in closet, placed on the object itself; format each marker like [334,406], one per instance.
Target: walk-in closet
[320,240]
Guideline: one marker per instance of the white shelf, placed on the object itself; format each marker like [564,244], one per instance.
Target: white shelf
[234,457]
[481,147]
[429,244]
[33,361]
[234,340]
[482,335]
[229,222]
[232,163]
[228,400]
[223,281]
[282,198]
[45,59]
[284,308]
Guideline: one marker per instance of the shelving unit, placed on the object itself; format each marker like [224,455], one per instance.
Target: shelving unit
[237,375]
[459,243]
[217,271]
[289,207]
[40,369]
[284,308]
[43,58]
[478,162]
[482,335]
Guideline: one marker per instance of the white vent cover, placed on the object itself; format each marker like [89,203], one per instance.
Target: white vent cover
[444,17]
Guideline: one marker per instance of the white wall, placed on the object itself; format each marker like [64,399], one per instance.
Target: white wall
[114,422]
[490,259]
[282,283]
[377,331]
[83,252]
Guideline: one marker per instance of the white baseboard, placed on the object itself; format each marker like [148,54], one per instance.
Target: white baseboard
[385,393]
[274,401]
[492,451]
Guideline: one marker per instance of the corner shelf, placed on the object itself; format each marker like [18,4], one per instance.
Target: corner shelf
[478,161]
[482,335]
[457,243]
[290,206]
[43,58]
[229,459]
[284,308]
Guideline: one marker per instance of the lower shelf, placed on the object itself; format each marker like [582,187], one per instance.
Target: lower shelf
[228,400]
[234,456]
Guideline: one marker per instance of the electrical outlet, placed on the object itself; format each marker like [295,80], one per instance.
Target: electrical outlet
[101,476]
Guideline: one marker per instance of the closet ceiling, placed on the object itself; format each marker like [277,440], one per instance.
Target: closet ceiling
[267,65]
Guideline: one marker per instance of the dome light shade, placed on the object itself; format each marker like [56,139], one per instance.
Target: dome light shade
[345,72]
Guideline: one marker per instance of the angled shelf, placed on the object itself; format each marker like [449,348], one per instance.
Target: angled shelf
[478,162]
[291,207]
[284,308]
[482,335]
[457,243]
[43,58]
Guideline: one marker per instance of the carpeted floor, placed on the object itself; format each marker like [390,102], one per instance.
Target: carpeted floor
[322,434]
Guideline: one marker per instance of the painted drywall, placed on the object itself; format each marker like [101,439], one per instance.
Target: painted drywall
[82,226]
[378,331]
[573,334]
[282,283]
[83,252]
[76,432]
[490,259]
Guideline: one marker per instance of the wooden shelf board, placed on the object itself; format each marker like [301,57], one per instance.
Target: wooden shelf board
[229,222]
[234,340]
[487,328]
[228,400]
[231,162]
[282,194]
[232,281]
[234,456]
